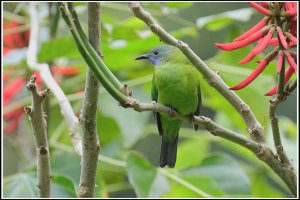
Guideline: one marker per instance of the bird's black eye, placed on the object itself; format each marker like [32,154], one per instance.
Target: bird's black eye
[155,52]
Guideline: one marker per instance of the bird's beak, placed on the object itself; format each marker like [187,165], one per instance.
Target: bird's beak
[145,56]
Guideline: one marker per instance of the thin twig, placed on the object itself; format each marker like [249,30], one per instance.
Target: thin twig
[38,122]
[47,77]
[88,117]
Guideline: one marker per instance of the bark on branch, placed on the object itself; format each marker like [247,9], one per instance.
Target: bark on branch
[88,117]
[38,122]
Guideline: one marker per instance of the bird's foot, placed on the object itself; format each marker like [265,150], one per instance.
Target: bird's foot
[191,118]
[171,111]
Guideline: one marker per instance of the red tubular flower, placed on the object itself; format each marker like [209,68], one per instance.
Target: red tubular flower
[65,70]
[292,12]
[14,40]
[292,38]
[252,30]
[260,8]
[280,61]
[264,4]
[239,44]
[291,61]
[290,5]
[273,42]
[288,74]
[11,89]
[15,119]
[281,37]
[259,48]
[263,32]
[262,65]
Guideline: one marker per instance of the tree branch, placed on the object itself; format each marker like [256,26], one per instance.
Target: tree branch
[38,122]
[88,118]
[253,126]
[48,79]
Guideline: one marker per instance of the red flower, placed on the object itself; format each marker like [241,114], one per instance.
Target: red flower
[276,15]
[11,91]
[65,70]
[14,40]
[14,87]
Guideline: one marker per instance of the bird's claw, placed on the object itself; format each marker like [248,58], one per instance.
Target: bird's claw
[191,118]
[171,111]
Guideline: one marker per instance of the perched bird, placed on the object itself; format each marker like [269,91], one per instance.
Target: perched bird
[175,84]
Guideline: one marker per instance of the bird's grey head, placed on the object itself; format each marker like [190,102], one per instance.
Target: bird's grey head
[158,54]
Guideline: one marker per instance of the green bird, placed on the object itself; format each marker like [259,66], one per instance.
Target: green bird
[175,84]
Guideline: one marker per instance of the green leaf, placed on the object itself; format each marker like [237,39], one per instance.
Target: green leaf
[184,32]
[56,48]
[131,123]
[64,183]
[66,164]
[205,183]
[23,185]
[147,183]
[218,24]
[261,186]
[225,171]
[101,189]
[179,4]
[220,21]
[191,152]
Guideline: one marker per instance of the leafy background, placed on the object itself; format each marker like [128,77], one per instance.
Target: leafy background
[130,145]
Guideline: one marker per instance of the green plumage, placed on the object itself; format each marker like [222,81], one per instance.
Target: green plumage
[175,84]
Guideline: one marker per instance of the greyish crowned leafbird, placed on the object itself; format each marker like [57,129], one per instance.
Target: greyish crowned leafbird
[175,84]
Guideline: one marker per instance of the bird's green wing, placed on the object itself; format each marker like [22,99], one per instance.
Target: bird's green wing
[154,96]
[197,112]
[154,92]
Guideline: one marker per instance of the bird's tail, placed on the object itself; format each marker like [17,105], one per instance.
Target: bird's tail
[168,152]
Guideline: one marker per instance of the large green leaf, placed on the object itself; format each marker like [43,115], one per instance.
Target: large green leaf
[21,186]
[179,4]
[59,47]
[66,164]
[206,184]
[65,183]
[225,171]
[222,20]
[262,187]
[131,123]
[144,177]
[24,186]
[191,152]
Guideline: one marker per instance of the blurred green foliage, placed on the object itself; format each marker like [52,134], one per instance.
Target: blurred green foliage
[130,144]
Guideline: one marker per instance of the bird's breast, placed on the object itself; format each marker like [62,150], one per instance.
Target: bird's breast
[177,87]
